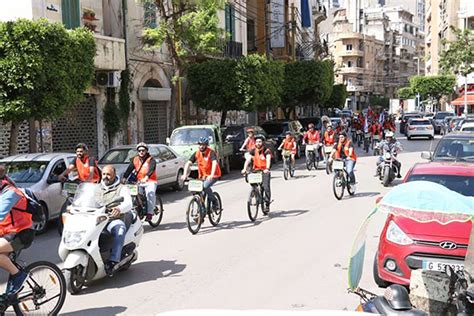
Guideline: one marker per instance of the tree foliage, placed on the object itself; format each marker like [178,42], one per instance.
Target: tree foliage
[432,86]
[338,97]
[43,68]
[458,58]
[375,100]
[405,93]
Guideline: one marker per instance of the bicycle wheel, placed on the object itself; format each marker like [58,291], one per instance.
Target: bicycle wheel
[285,169]
[44,290]
[215,215]
[316,160]
[338,186]
[253,203]
[157,214]
[194,215]
[309,160]
[350,189]
[262,202]
[292,170]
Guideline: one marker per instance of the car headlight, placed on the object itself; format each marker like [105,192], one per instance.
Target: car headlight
[397,236]
[387,156]
[72,239]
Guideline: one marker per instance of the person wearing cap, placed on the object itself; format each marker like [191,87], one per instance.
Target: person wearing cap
[208,168]
[289,145]
[262,160]
[249,142]
[142,169]
[86,166]
[345,150]
[386,146]
[312,137]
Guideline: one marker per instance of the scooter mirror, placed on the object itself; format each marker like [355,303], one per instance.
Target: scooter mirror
[115,202]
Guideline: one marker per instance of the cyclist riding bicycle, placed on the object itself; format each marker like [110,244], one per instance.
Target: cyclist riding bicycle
[15,230]
[262,159]
[86,166]
[345,150]
[289,145]
[329,136]
[249,142]
[208,168]
[142,168]
[312,137]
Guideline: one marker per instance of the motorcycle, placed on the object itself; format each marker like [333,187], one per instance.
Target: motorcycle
[387,170]
[86,244]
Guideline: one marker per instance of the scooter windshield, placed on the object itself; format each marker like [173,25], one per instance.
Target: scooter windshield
[87,196]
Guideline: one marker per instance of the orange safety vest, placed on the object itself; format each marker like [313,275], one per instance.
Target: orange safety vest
[250,144]
[83,170]
[313,137]
[143,169]
[346,150]
[329,137]
[260,159]
[16,220]
[204,163]
[288,145]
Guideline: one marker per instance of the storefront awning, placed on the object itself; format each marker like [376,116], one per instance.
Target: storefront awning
[460,101]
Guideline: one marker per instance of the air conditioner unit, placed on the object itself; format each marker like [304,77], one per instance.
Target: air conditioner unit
[110,79]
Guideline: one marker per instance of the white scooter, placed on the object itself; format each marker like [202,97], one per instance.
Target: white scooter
[86,244]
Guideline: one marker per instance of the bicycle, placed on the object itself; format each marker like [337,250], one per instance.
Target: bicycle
[367,140]
[257,192]
[327,153]
[200,205]
[311,156]
[341,179]
[43,277]
[288,168]
[140,204]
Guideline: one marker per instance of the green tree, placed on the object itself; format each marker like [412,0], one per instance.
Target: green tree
[375,100]
[432,87]
[338,97]
[307,82]
[458,58]
[405,93]
[189,30]
[44,70]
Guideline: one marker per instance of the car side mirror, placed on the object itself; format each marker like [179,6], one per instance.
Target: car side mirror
[168,141]
[426,155]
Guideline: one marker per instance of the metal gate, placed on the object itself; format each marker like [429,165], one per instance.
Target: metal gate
[79,125]
[23,139]
[155,122]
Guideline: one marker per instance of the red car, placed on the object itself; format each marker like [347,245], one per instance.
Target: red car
[406,245]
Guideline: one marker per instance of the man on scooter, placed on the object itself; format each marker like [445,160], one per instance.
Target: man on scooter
[386,146]
[14,234]
[110,189]
[86,166]
[143,168]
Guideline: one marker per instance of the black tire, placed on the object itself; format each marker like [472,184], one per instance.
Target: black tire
[309,161]
[262,203]
[378,280]
[215,217]
[253,204]
[386,176]
[157,213]
[42,285]
[285,170]
[408,137]
[179,186]
[350,190]
[328,167]
[74,282]
[291,170]
[41,226]
[338,186]
[194,215]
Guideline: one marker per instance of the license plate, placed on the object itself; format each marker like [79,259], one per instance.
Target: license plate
[327,149]
[133,189]
[195,186]
[420,128]
[255,178]
[70,188]
[310,147]
[441,266]
[338,165]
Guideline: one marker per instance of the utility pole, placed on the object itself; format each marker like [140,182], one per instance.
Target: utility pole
[293,32]
[267,28]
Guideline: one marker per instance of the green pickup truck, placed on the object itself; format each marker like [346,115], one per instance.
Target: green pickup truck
[184,140]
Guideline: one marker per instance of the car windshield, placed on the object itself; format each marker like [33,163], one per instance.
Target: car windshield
[275,129]
[407,117]
[88,195]
[442,115]
[455,149]
[117,156]
[190,136]
[425,122]
[26,171]
[460,184]
[234,133]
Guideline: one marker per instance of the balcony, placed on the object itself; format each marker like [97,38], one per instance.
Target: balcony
[110,53]
[355,88]
[319,12]
[351,70]
[349,35]
[233,49]
[350,53]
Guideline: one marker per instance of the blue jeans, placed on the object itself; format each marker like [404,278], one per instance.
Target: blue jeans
[118,230]
[208,191]
[349,165]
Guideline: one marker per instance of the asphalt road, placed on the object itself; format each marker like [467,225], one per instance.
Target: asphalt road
[294,259]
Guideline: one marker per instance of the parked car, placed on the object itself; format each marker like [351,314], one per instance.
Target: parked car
[184,141]
[237,134]
[406,245]
[405,119]
[419,127]
[455,146]
[438,120]
[467,127]
[464,120]
[277,129]
[38,172]
[428,115]
[169,165]
[315,120]
[455,124]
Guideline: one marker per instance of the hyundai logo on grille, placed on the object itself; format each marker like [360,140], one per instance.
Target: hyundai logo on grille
[448,245]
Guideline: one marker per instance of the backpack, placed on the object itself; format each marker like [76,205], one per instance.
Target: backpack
[33,206]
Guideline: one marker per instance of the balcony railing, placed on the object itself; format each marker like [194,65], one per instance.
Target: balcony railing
[110,53]
[233,49]
[354,52]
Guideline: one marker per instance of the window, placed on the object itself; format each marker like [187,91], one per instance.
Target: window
[349,64]
[71,13]
[349,47]
[230,21]
[251,40]
[154,152]
[166,154]
[149,18]
[58,169]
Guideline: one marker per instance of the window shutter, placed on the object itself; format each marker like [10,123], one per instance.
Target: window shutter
[75,14]
[232,22]
[65,13]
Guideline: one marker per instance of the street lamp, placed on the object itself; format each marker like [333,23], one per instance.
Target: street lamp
[463,14]
[417,73]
